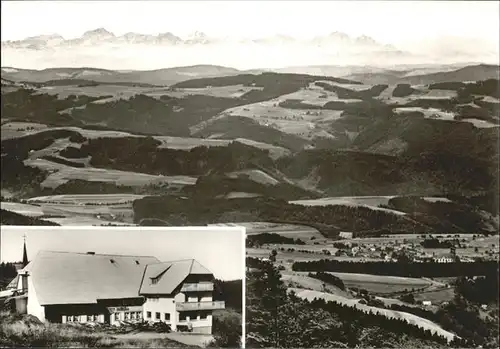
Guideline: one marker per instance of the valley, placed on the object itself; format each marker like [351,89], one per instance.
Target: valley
[255,137]
[366,193]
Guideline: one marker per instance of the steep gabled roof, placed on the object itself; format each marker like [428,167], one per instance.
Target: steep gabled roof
[80,278]
[13,284]
[169,275]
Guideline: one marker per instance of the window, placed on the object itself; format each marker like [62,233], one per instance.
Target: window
[158,316]
[154,281]
[89,318]
[182,316]
[117,316]
[69,318]
[148,315]
[203,315]
[139,315]
[167,316]
[127,315]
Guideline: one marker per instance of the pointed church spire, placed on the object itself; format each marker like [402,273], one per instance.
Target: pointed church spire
[25,253]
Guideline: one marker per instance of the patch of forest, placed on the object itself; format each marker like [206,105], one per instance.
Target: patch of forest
[270,238]
[12,218]
[304,324]
[415,270]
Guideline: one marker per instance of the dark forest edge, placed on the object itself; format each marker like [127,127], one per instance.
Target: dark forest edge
[333,324]
[404,269]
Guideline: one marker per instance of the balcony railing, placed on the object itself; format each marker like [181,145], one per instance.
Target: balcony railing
[198,287]
[190,306]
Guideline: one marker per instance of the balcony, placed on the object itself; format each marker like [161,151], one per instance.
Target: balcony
[198,287]
[191,306]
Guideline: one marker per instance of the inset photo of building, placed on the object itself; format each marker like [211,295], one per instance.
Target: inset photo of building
[171,282]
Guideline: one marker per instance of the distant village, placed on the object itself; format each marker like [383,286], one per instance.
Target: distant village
[403,249]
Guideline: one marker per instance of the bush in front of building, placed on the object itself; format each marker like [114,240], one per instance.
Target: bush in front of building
[226,329]
[27,331]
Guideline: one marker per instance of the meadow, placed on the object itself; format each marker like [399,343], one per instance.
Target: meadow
[410,318]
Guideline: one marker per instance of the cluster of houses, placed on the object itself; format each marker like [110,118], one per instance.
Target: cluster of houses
[391,251]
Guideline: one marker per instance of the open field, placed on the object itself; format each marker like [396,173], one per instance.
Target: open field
[380,283]
[62,174]
[274,151]
[426,93]
[255,175]
[299,280]
[371,202]
[53,149]
[480,123]
[190,143]
[410,318]
[294,231]
[24,209]
[82,199]
[352,87]
[309,247]
[317,95]
[436,296]
[231,91]
[409,238]
[436,199]
[301,122]
[288,258]
[128,91]
[79,209]
[240,195]
[117,91]
[431,113]
[485,241]
[85,221]
[18,129]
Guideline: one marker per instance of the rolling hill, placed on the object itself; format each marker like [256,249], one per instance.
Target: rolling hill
[308,136]
[160,77]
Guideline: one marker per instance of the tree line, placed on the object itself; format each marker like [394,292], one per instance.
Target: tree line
[276,318]
[406,269]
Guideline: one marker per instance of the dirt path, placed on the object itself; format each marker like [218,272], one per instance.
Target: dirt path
[200,340]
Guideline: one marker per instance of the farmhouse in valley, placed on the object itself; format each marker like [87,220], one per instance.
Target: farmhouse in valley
[345,235]
[64,287]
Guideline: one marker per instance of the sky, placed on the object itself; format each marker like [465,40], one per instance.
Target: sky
[390,22]
[219,250]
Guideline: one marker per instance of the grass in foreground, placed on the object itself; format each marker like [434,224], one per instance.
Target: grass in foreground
[27,331]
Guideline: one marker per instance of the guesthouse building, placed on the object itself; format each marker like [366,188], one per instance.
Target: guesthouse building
[63,287]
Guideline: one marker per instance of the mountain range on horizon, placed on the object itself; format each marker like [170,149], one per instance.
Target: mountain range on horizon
[102,48]
[102,35]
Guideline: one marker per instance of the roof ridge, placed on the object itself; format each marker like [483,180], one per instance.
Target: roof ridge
[191,267]
[99,254]
[174,261]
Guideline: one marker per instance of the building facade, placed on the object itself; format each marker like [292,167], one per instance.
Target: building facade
[64,287]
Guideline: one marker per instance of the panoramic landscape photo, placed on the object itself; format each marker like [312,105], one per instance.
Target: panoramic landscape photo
[359,151]
[121,287]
